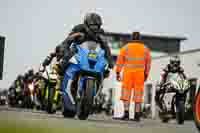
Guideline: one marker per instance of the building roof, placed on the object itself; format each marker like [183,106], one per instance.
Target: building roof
[147,36]
[2,36]
[179,53]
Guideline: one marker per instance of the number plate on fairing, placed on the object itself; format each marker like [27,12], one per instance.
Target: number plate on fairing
[92,55]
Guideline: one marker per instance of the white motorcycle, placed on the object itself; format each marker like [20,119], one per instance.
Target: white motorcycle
[173,98]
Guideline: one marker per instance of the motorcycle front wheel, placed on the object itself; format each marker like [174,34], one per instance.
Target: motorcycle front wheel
[86,100]
[180,112]
[196,110]
[67,113]
[50,108]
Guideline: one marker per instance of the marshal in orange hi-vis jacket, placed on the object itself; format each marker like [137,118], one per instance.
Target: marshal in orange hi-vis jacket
[135,59]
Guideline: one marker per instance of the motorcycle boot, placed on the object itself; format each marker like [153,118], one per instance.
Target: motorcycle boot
[126,115]
[138,112]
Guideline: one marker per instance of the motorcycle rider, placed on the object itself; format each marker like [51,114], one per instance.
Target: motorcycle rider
[19,84]
[90,30]
[29,75]
[12,94]
[15,90]
[19,87]
[174,66]
[56,70]
[28,78]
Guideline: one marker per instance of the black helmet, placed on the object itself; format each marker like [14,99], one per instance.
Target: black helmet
[31,71]
[175,61]
[93,21]
[59,52]
[20,76]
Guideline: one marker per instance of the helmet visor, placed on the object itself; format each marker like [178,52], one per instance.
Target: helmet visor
[94,27]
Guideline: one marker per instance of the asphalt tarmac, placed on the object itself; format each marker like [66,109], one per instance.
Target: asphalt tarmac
[13,120]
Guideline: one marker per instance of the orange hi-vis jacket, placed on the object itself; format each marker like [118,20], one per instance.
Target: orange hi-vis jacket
[135,60]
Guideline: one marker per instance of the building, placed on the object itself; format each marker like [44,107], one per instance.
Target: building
[2,41]
[159,45]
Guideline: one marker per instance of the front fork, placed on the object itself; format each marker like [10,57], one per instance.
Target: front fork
[97,91]
[180,98]
[57,91]
[46,93]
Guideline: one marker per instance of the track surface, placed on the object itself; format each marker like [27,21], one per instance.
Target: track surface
[95,124]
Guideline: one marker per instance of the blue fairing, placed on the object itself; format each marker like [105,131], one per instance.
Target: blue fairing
[85,61]
[95,64]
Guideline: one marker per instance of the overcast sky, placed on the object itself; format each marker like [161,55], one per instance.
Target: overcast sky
[34,27]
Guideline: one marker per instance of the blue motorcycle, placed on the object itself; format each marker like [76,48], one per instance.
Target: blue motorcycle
[82,82]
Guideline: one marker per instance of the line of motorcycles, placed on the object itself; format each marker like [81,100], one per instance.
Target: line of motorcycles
[42,93]
[82,97]
[39,92]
